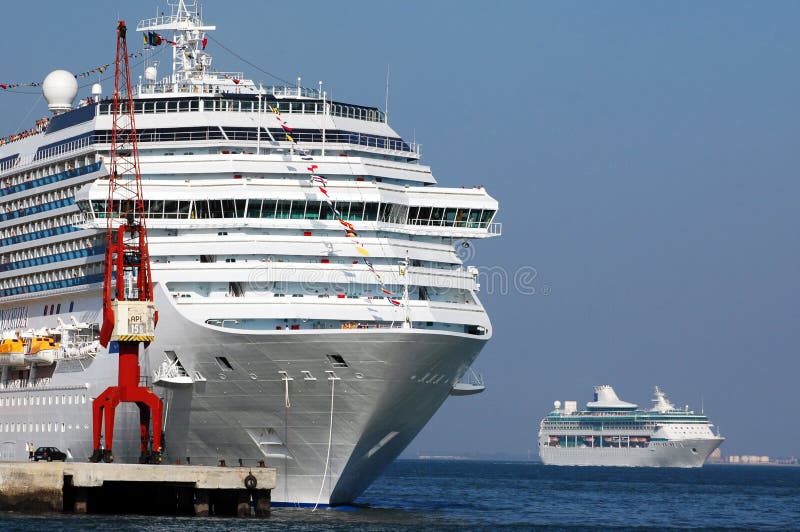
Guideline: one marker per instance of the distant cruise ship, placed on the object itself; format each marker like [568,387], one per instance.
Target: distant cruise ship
[314,309]
[612,432]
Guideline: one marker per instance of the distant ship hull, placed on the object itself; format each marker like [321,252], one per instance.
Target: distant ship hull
[684,453]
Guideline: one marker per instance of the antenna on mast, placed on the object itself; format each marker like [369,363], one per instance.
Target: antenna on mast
[386,107]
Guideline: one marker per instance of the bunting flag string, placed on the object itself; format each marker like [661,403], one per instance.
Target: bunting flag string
[286,129]
[321,183]
[98,69]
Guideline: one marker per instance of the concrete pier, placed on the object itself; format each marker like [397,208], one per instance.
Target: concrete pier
[132,488]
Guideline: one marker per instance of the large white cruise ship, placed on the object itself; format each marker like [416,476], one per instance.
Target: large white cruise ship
[612,432]
[314,312]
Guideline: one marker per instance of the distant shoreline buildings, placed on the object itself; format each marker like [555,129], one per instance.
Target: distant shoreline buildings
[749,459]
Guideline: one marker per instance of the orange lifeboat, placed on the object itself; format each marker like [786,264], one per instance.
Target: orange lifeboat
[12,352]
[42,350]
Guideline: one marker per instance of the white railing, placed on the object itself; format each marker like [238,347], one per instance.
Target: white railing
[28,162]
[167,19]
[169,370]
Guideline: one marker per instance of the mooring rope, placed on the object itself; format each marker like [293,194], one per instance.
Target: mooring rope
[328,456]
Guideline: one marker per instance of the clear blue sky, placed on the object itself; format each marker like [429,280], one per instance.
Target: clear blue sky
[645,156]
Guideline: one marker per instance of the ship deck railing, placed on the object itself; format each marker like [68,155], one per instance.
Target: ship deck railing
[289,100]
[167,19]
[29,162]
[215,83]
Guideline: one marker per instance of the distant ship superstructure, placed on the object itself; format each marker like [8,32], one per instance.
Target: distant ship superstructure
[313,310]
[612,432]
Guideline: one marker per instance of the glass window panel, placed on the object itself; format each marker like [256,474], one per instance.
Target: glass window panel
[486,217]
[215,207]
[283,208]
[325,212]
[386,211]
[371,212]
[99,208]
[424,215]
[200,209]
[156,209]
[183,209]
[228,208]
[240,206]
[313,210]
[170,209]
[268,209]
[356,210]
[436,216]
[461,216]
[449,216]
[474,216]
[254,208]
[298,209]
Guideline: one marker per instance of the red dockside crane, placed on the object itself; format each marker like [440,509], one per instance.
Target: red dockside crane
[129,314]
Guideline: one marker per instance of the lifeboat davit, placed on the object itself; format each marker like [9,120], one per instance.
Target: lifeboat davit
[12,352]
[43,350]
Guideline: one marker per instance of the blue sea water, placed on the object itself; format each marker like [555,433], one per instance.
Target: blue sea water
[456,495]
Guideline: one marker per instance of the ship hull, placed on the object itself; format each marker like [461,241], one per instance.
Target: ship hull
[678,453]
[329,429]
[12,359]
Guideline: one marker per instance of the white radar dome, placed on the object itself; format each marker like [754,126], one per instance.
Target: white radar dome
[97,90]
[150,73]
[557,404]
[60,88]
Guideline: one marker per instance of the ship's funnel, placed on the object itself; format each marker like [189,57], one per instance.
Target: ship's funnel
[606,397]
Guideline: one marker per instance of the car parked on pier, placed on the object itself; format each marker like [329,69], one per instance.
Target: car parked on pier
[49,454]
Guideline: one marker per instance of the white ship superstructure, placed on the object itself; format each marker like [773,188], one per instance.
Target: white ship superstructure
[316,330]
[612,432]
